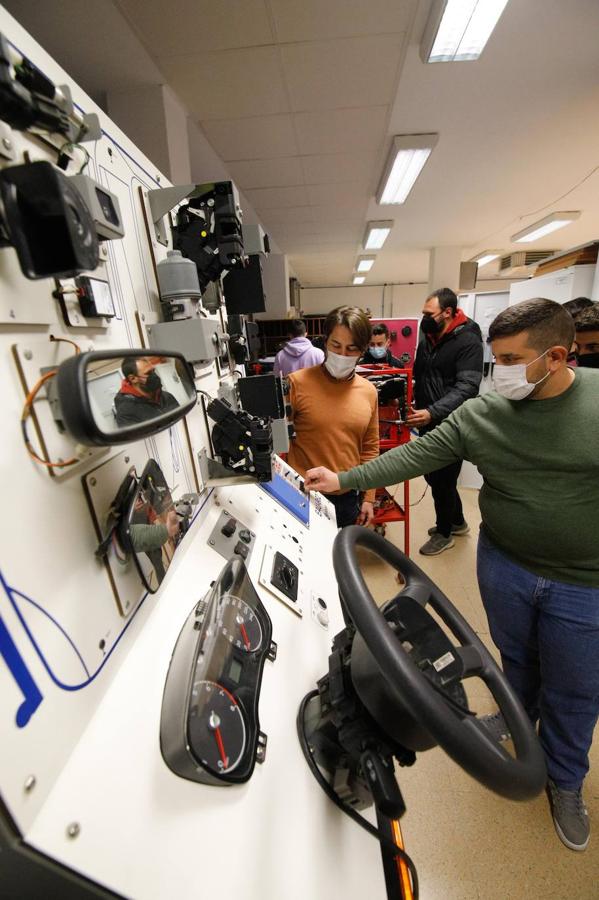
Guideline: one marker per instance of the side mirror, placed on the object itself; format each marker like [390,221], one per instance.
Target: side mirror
[118,396]
[152,527]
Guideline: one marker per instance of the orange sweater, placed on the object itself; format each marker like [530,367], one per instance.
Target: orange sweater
[336,422]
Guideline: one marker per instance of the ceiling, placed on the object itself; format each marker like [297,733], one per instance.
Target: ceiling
[301,100]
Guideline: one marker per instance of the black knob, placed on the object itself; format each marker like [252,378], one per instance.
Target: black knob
[229,527]
[245,535]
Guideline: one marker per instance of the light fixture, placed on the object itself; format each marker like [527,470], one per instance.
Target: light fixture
[365,263]
[359,279]
[486,256]
[409,153]
[457,30]
[544,226]
[376,234]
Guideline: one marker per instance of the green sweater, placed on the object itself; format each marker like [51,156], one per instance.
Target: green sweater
[539,460]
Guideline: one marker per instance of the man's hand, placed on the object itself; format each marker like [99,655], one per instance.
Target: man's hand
[321,479]
[172,523]
[366,515]
[418,418]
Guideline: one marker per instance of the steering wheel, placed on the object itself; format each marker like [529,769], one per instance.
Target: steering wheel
[463,737]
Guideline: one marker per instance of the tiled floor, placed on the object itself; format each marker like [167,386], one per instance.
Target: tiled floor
[467,843]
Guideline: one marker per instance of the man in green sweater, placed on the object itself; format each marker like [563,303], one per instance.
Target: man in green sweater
[535,440]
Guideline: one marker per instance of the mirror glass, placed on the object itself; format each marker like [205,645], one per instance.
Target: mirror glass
[136,390]
[154,525]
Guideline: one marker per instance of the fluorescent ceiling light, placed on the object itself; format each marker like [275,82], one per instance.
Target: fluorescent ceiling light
[365,263]
[409,153]
[544,226]
[376,234]
[457,30]
[485,257]
[359,279]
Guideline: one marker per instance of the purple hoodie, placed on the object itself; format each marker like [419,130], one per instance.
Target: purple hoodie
[298,353]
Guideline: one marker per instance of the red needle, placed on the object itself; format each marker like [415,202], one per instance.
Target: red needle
[221,747]
[245,637]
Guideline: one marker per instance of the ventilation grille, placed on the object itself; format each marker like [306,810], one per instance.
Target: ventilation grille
[522,259]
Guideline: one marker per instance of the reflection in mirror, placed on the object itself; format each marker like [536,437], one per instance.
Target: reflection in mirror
[120,396]
[153,526]
[134,390]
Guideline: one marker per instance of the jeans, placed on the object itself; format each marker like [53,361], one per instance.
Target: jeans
[347,507]
[448,506]
[548,636]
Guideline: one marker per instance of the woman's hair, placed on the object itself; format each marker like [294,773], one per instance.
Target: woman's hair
[351,317]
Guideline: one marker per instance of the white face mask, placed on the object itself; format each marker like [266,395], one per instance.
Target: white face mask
[510,381]
[338,366]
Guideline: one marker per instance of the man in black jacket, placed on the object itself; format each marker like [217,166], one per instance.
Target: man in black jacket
[447,370]
[141,397]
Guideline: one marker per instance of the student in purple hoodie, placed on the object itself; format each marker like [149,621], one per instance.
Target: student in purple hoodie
[298,353]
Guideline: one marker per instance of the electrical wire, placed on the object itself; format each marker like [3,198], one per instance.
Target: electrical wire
[28,409]
[390,846]
[66,148]
[421,498]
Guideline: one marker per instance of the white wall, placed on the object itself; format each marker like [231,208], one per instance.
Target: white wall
[399,299]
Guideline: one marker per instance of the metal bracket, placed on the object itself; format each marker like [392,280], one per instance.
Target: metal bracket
[214,474]
[261,747]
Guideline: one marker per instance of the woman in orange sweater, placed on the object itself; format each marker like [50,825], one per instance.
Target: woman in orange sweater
[335,411]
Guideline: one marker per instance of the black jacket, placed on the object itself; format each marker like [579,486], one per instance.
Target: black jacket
[448,372]
[132,410]
[388,360]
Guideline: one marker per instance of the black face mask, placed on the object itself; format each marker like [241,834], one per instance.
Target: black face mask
[429,325]
[588,360]
[153,382]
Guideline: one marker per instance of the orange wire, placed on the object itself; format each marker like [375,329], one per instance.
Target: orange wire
[27,410]
[402,869]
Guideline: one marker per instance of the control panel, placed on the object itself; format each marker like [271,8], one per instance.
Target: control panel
[230,537]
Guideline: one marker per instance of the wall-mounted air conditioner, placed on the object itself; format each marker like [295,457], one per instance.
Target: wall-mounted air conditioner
[519,263]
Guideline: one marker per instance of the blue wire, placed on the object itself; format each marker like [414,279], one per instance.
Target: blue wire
[11,592]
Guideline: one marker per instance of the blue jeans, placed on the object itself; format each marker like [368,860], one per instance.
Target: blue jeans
[548,635]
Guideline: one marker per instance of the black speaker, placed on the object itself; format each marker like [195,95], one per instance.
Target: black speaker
[243,288]
[47,222]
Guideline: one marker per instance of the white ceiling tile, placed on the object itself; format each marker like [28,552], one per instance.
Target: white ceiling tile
[328,215]
[287,214]
[184,29]
[341,130]
[314,19]
[339,167]
[330,74]
[277,197]
[229,83]
[341,196]
[261,173]
[259,137]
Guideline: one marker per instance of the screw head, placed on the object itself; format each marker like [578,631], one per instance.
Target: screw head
[93,482]
[28,354]
[6,143]
[30,783]
[73,830]
[127,459]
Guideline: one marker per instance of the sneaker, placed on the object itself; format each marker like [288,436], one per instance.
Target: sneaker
[497,726]
[570,816]
[464,528]
[436,544]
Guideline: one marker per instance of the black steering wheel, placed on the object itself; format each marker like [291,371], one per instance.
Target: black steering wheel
[463,737]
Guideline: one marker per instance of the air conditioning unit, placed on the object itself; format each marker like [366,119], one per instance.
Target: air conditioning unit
[520,263]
